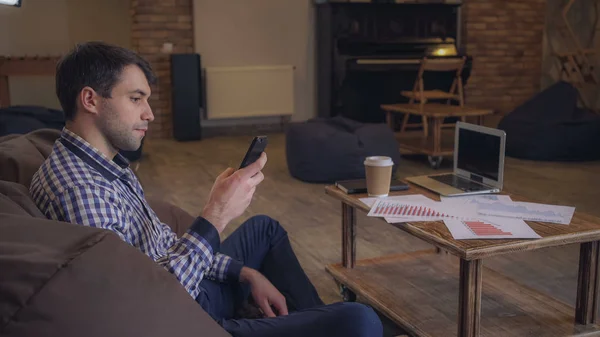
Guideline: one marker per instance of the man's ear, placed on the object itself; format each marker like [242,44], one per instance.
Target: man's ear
[89,100]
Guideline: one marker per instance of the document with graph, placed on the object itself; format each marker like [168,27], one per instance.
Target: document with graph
[394,210]
[398,198]
[486,228]
[474,199]
[528,211]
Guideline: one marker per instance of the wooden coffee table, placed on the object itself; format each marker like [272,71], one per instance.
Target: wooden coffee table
[421,291]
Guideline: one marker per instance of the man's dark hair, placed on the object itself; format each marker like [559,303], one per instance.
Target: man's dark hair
[96,65]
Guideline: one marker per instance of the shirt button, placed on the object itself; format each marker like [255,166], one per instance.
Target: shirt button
[193,287]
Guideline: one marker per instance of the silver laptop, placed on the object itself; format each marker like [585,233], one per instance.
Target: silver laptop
[478,163]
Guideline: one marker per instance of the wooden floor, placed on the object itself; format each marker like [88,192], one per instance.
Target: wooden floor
[183,173]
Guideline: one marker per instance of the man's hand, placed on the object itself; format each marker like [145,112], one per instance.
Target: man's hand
[232,192]
[264,293]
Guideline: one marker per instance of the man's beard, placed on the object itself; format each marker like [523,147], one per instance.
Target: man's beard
[117,134]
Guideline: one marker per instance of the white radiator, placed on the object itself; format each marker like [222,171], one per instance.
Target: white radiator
[257,91]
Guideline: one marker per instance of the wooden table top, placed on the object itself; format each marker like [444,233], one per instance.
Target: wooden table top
[437,110]
[583,228]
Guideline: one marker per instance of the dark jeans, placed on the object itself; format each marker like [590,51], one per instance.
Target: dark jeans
[262,244]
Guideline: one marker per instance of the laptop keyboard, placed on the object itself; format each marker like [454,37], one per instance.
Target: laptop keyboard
[460,183]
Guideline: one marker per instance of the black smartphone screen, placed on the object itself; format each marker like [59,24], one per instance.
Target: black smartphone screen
[258,145]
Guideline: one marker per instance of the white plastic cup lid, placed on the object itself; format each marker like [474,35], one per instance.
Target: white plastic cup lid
[379,161]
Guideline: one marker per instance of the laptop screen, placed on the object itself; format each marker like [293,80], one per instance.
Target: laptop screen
[479,153]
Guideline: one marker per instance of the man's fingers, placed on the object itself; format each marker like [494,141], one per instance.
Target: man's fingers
[266,308]
[229,171]
[255,167]
[256,179]
[281,307]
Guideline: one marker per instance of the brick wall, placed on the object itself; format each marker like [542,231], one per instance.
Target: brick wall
[155,22]
[505,39]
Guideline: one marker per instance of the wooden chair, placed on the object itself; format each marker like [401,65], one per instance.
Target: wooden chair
[421,96]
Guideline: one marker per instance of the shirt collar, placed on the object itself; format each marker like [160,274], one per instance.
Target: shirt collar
[110,169]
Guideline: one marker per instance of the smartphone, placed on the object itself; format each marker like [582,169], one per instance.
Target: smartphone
[257,147]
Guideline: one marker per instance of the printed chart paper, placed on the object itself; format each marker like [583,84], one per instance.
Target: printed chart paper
[402,209]
[486,228]
[412,199]
[475,199]
[470,217]
[413,219]
[529,211]
[468,205]
[408,198]
[395,211]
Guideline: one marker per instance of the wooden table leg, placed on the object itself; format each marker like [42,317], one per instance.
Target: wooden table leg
[389,119]
[469,298]
[587,284]
[480,120]
[436,132]
[348,235]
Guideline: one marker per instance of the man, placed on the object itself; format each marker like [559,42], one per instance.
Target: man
[104,92]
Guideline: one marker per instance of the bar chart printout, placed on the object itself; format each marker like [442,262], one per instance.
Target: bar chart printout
[402,209]
[483,228]
[490,228]
[529,211]
[469,226]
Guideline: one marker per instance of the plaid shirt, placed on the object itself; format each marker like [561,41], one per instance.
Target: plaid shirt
[78,184]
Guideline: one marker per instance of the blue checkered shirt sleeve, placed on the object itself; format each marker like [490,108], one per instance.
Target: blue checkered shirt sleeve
[189,257]
[221,268]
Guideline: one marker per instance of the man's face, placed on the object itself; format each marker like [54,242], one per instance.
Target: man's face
[123,118]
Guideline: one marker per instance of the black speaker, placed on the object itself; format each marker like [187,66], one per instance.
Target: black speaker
[186,96]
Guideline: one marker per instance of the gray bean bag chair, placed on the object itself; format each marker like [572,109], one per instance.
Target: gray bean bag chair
[550,127]
[22,119]
[328,150]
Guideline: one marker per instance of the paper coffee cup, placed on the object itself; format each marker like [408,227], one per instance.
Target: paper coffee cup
[379,175]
